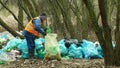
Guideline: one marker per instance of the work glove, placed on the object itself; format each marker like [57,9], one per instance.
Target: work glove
[44,34]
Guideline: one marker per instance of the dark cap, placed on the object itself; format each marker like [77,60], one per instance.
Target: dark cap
[43,14]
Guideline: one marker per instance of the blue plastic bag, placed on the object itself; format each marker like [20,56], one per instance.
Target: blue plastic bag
[89,50]
[12,44]
[63,49]
[62,41]
[39,48]
[4,36]
[100,51]
[75,52]
[24,49]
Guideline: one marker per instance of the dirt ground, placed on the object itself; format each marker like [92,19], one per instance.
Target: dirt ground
[37,63]
[71,63]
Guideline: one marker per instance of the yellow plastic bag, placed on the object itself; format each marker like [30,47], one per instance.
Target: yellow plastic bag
[51,47]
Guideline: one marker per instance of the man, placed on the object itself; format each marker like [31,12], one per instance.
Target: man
[32,30]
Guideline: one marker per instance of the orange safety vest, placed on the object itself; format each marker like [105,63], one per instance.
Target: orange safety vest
[31,28]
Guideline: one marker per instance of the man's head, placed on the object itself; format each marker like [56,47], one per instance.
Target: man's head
[43,17]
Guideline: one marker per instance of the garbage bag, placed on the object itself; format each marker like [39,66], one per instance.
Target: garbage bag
[40,53]
[39,41]
[66,57]
[23,49]
[4,36]
[51,46]
[75,52]
[48,29]
[39,48]
[63,49]
[89,50]
[3,40]
[12,44]
[6,56]
[62,41]
[99,49]
[68,42]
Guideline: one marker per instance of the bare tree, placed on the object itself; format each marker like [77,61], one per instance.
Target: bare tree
[12,14]
[108,54]
[117,36]
[20,15]
[111,55]
[13,32]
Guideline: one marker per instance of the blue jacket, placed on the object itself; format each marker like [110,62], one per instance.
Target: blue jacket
[37,25]
[36,22]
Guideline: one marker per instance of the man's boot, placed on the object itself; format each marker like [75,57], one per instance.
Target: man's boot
[31,53]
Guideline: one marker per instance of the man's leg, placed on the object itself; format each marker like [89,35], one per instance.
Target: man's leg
[31,45]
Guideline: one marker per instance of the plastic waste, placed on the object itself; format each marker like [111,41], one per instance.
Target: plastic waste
[12,44]
[15,53]
[62,41]
[51,46]
[2,40]
[7,56]
[2,62]
[3,36]
[66,57]
[75,52]
[39,48]
[68,42]
[41,53]
[48,30]
[39,41]
[23,49]
[89,50]
[63,49]
[99,49]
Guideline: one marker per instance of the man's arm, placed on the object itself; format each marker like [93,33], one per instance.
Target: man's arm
[37,22]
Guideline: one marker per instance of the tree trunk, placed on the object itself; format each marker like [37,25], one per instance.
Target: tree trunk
[80,31]
[66,14]
[14,33]
[117,36]
[103,37]
[108,52]
[30,8]
[12,14]
[24,7]
[20,15]
[57,25]
[85,23]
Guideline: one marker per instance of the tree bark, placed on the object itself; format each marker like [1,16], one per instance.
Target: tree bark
[13,32]
[109,58]
[12,14]
[103,37]
[20,15]
[66,14]
[117,36]
[30,8]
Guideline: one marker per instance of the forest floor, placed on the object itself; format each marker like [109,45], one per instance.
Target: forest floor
[71,63]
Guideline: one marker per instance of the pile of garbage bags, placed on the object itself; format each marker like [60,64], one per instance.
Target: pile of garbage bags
[71,48]
[84,49]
